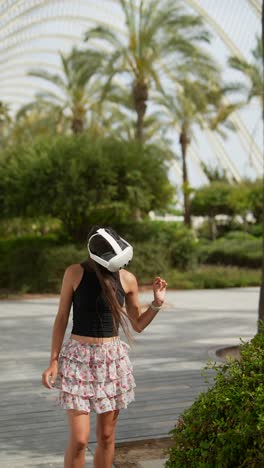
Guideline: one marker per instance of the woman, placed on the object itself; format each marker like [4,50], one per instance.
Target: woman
[92,368]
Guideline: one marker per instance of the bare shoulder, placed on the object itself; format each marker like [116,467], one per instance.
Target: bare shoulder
[73,273]
[73,269]
[128,280]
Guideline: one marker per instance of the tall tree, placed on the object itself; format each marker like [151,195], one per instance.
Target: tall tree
[39,117]
[118,119]
[254,72]
[5,120]
[261,296]
[195,102]
[157,33]
[77,86]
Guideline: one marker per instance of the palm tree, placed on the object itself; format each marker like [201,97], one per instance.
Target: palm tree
[77,87]
[40,117]
[196,102]
[261,296]
[118,119]
[156,32]
[253,71]
[5,119]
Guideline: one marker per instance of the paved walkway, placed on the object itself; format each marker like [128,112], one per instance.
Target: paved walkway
[167,358]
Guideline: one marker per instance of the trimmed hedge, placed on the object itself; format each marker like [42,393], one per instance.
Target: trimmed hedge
[34,264]
[236,248]
[175,237]
[225,426]
[213,277]
[80,180]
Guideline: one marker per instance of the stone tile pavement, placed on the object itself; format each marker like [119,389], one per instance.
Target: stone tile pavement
[167,359]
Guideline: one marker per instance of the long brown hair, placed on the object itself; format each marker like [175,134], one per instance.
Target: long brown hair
[109,280]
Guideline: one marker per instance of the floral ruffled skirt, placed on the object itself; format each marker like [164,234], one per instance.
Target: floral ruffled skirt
[94,377]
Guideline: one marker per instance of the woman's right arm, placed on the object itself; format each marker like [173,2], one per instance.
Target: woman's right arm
[60,325]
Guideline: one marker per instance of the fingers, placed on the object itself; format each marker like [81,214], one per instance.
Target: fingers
[47,379]
[160,282]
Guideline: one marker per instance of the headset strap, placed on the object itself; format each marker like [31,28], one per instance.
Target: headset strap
[111,240]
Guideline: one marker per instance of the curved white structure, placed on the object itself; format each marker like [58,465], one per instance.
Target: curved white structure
[33,31]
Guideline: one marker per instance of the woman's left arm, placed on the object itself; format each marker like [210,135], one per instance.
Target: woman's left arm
[139,319]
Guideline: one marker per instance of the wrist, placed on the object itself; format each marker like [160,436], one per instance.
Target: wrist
[157,303]
[53,360]
[155,307]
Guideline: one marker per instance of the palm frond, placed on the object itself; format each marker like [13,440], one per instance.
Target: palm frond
[49,96]
[252,70]
[101,32]
[45,75]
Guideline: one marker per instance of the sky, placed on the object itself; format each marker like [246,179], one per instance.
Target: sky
[33,31]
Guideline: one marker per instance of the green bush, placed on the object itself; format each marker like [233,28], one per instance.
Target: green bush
[36,263]
[256,230]
[211,200]
[37,226]
[222,197]
[239,236]
[239,249]
[175,237]
[81,180]
[213,276]
[56,260]
[225,426]
[146,263]
[256,199]
[40,270]
[33,264]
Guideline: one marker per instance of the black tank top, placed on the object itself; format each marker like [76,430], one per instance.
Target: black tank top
[91,314]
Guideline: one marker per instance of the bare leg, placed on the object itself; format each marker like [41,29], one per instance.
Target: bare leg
[79,431]
[105,434]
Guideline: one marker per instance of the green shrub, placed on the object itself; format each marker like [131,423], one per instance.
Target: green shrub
[239,249]
[36,263]
[81,180]
[33,264]
[239,236]
[175,237]
[225,425]
[38,226]
[256,230]
[56,260]
[211,200]
[148,261]
[213,276]
[256,199]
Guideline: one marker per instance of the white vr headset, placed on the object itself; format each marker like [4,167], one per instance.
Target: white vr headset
[119,260]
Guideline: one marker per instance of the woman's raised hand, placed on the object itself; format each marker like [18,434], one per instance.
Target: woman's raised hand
[159,289]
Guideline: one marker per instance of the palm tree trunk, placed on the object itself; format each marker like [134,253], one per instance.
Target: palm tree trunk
[140,97]
[78,117]
[184,141]
[77,125]
[261,296]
